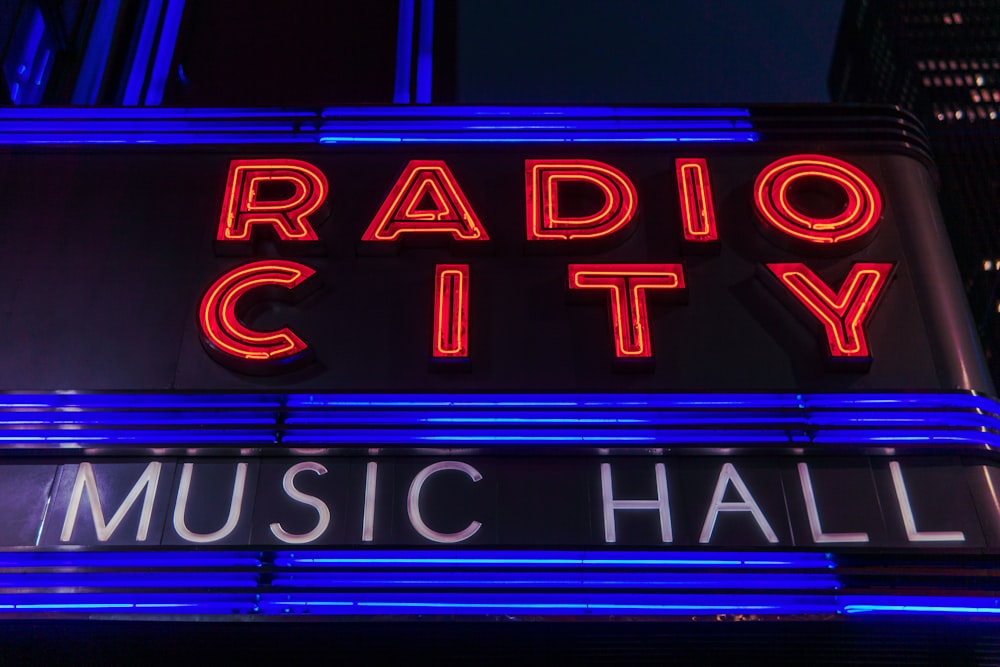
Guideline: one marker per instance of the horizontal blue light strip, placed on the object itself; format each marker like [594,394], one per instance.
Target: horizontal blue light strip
[379,401]
[550,580]
[459,582]
[73,420]
[962,606]
[179,603]
[513,558]
[371,125]
[125,560]
[549,604]
[144,580]
[535,112]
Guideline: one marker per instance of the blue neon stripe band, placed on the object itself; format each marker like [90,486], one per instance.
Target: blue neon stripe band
[134,126]
[164,52]
[143,50]
[500,420]
[404,53]
[425,52]
[469,583]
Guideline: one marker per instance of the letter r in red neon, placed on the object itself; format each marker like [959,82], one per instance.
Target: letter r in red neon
[627,285]
[243,207]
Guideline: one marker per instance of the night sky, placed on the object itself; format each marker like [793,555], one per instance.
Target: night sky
[645,52]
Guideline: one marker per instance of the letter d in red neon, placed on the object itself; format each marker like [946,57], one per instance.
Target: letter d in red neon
[545,220]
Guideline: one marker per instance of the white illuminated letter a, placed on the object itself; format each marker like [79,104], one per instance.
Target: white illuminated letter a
[728,476]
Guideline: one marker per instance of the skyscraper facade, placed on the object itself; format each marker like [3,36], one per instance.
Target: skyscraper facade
[940,59]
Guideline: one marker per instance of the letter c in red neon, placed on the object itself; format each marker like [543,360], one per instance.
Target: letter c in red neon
[859,217]
[230,341]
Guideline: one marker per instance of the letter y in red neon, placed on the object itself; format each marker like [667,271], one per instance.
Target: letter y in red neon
[843,313]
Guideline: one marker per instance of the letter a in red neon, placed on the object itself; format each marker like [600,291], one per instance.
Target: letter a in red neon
[230,341]
[243,208]
[546,222]
[451,311]
[843,314]
[627,284]
[426,199]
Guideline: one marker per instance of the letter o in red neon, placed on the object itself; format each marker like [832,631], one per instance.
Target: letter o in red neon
[864,205]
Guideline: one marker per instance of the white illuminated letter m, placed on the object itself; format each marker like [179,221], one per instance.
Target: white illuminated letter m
[85,480]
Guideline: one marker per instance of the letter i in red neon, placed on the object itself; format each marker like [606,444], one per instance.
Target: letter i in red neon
[451,311]
[843,313]
[697,211]
[627,284]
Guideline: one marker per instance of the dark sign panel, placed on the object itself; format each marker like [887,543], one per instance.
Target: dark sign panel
[853,502]
[765,266]
[683,363]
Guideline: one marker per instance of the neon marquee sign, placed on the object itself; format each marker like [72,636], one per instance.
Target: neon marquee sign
[426,203]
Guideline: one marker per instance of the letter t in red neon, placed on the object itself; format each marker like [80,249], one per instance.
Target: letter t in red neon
[627,285]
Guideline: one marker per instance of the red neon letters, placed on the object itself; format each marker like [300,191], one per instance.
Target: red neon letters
[864,205]
[844,314]
[404,210]
[544,219]
[627,284]
[426,200]
[242,207]
[228,339]
[451,311]
[697,211]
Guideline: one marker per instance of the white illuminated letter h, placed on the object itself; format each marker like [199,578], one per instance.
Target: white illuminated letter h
[661,504]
